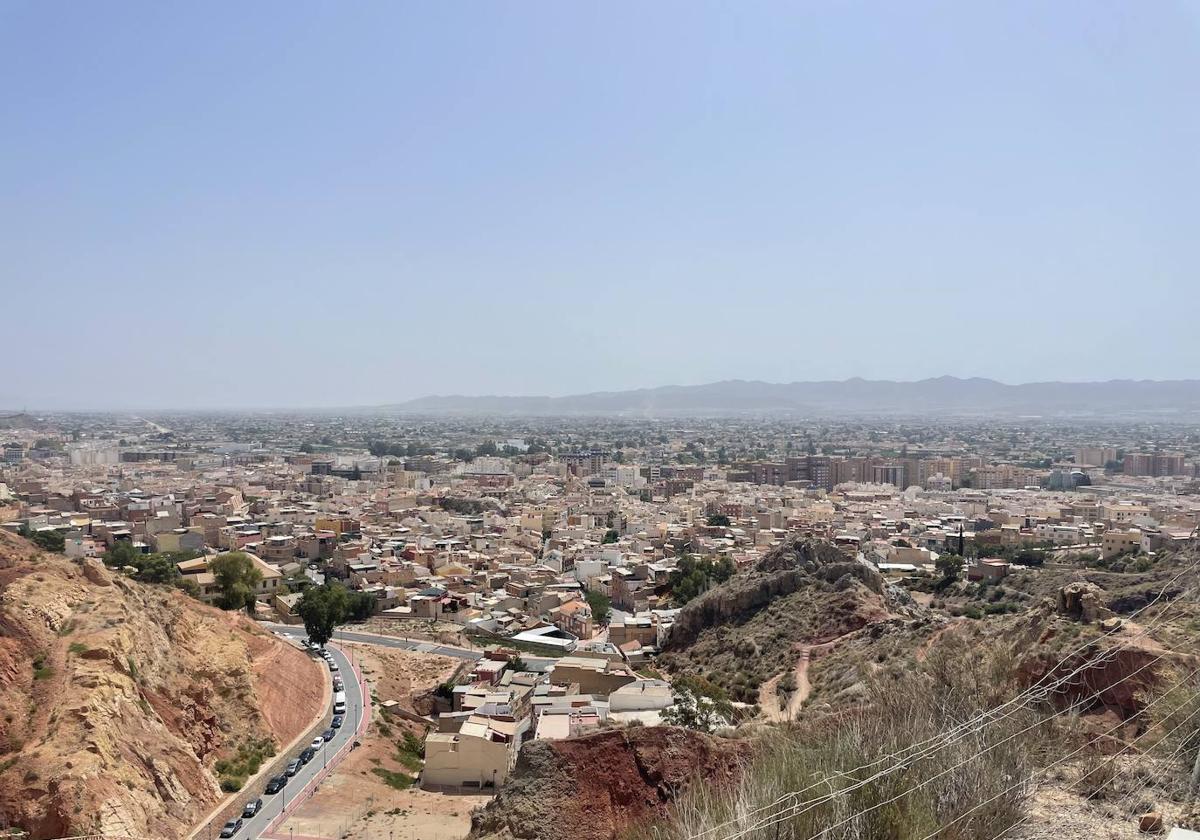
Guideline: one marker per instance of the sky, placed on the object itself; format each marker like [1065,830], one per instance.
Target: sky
[216,205]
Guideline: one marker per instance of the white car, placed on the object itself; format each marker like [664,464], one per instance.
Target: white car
[317,743]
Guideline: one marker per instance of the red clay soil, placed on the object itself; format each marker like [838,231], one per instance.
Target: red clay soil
[596,786]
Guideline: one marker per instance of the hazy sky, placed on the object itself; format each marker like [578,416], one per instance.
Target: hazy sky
[295,203]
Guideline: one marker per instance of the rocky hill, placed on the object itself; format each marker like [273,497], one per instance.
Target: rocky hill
[597,786]
[740,633]
[119,699]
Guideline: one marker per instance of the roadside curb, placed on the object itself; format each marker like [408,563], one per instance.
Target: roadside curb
[272,765]
[306,793]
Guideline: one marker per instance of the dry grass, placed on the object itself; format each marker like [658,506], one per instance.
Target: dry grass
[903,706]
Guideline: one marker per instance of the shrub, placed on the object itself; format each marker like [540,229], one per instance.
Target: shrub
[399,781]
[954,684]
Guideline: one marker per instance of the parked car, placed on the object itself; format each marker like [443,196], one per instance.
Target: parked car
[317,743]
[328,734]
[333,666]
[307,755]
[252,807]
[336,723]
[277,783]
[232,827]
[338,685]
[292,767]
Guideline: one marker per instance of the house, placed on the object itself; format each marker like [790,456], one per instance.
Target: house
[593,676]
[987,569]
[574,617]
[199,570]
[478,756]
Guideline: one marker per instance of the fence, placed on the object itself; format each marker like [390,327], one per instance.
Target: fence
[306,793]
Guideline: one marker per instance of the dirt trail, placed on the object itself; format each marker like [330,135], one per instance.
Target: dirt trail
[768,698]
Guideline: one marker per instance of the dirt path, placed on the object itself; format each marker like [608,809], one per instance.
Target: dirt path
[768,698]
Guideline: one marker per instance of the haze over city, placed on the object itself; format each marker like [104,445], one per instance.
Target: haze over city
[306,205]
[683,420]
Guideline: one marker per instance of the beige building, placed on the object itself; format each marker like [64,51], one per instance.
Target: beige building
[1119,542]
[593,676]
[480,755]
[198,570]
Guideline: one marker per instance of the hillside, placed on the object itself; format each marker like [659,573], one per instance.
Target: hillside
[754,625]
[597,786]
[119,698]
[942,395]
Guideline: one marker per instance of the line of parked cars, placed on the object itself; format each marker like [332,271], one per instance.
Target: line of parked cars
[277,783]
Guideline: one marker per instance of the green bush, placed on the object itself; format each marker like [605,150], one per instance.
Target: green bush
[399,781]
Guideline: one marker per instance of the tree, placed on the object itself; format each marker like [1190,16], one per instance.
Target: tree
[691,577]
[600,604]
[949,566]
[359,606]
[699,705]
[122,554]
[322,608]
[306,448]
[50,541]
[610,536]
[237,577]
[719,520]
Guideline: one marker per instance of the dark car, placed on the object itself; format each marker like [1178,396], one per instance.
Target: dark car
[336,723]
[328,734]
[277,783]
[252,808]
[307,755]
[232,827]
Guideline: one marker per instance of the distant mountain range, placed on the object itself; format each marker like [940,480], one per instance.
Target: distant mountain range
[946,395]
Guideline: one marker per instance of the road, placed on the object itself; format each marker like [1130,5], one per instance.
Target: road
[273,804]
[535,662]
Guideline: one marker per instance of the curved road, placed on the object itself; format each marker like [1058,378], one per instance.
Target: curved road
[300,786]
[382,641]
[535,662]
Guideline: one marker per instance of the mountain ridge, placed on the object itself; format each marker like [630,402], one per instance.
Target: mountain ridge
[936,395]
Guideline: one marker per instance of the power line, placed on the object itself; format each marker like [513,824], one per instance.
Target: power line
[978,721]
[904,758]
[1075,752]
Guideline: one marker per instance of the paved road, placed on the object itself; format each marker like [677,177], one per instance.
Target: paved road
[274,803]
[537,662]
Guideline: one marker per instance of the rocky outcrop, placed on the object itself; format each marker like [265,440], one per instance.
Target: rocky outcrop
[753,626]
[118,698]
[597,786]
[795,565]
[1083,601]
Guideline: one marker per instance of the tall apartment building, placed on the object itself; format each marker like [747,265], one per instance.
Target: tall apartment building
[583,463]
[1095,456]
[894,474]
[1154,463]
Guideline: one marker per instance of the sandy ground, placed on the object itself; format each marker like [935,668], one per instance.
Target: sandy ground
[354,802]
[442,632]
[398,674]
